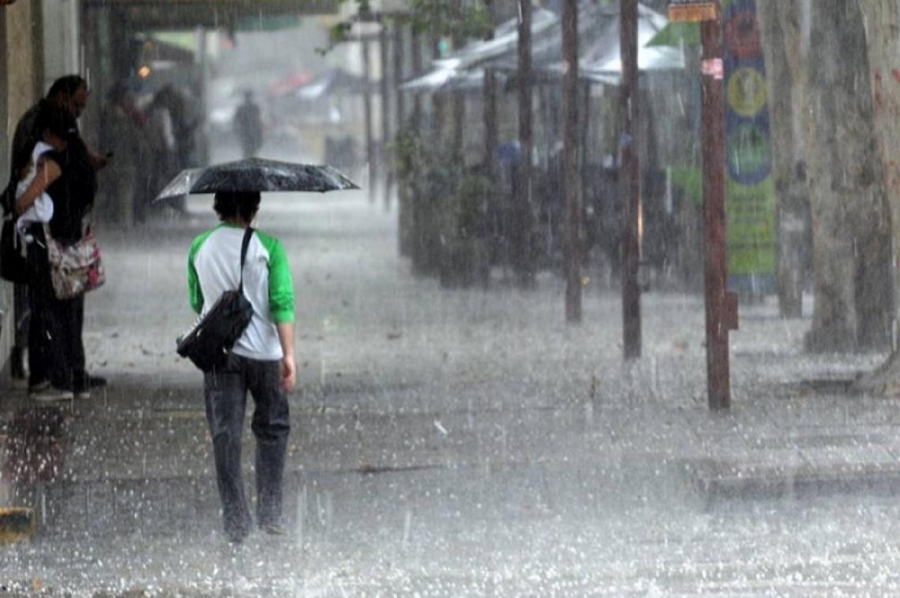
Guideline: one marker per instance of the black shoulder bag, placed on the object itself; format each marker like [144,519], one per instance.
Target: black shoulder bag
[12,262]
[211,339]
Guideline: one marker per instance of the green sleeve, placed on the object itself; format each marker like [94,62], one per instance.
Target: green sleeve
[195,294]
[281,285]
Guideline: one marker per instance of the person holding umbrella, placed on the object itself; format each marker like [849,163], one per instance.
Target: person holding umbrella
[261,362]
[262,359]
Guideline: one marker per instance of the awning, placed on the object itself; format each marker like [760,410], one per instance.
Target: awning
[224,14]
[505,41]
[442,79]
[334,82]
[599,62]
[605,56]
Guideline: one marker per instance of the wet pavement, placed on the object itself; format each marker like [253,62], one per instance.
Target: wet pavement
[453,442]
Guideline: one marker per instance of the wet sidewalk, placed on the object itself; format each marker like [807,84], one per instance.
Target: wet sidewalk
[444,427]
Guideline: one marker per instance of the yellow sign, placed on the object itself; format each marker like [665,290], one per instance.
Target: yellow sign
[693,12]
[747,93]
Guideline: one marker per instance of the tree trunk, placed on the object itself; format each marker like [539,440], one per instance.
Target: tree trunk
[387,179]
[458,105]
[792,196]
[571,202]
[489,116]
[630,179]
[883,27]
[522,233]
[854,288]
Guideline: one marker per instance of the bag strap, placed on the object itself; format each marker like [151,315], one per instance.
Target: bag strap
[248,232]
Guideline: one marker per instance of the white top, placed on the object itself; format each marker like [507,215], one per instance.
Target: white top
[214,267]
[42,209]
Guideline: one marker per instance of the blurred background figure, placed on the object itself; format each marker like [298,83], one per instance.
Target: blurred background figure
[124,134]
[248,126]
[170,135]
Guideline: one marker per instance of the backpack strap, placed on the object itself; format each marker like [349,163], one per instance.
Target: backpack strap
[248,232]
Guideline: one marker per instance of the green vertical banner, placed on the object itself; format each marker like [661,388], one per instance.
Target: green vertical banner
[750,190]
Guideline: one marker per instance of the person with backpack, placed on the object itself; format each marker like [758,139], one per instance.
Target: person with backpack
[261,361]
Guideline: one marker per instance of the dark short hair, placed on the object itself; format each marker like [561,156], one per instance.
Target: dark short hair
[239,203]
[56,119]
[66,85]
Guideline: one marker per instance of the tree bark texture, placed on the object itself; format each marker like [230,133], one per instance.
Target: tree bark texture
[792,196]
[851,219]
[882,18]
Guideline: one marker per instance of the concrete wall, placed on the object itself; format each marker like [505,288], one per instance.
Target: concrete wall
[21,80]
[62,46]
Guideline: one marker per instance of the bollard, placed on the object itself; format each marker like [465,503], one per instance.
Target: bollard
[16,524]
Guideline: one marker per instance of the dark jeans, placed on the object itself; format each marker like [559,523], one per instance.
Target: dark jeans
[55,347]
[225,391]
[22,317]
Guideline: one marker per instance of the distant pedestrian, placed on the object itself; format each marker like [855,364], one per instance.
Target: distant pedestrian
[262,361]
[248,126]
[125,187]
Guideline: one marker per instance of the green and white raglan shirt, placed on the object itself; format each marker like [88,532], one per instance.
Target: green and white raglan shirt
[214,267]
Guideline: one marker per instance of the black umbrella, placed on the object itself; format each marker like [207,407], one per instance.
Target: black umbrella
[256,174]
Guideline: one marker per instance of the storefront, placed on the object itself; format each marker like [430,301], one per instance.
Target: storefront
[41,40]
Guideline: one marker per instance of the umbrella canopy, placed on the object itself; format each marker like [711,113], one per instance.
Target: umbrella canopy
[256,174]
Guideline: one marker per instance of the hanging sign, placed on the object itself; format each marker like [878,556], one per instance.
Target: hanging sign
[750,201]
[692,11]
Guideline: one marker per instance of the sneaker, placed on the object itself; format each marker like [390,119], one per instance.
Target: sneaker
[38,386]
[236,538]
[51,394]
[274,529]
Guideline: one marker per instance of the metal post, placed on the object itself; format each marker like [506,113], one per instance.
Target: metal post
[630,181]
[721,306]
[384,91]
[367,111]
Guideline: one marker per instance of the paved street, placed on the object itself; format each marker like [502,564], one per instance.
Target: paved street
[454,442]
